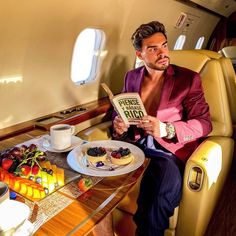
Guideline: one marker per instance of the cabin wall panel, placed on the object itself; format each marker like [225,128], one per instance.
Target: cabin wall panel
[36,44]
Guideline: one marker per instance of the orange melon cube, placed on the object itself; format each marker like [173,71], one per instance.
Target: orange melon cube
[46,164]
[51,185]
[36,194]
[60,177]
[54,168]
[44,176]
[29,191]
[6,178]
[2,174]
[23,188]
[11,181]
[16,186]
[42,194]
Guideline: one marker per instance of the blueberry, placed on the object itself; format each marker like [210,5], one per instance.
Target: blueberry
[31,177]
[99,164]
[50,172]
[96,151]
[46,191]
[38,180]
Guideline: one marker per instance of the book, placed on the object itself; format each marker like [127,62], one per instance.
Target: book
[128,106]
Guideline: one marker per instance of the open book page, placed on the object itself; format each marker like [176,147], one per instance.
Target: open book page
[129,106]
[108,91]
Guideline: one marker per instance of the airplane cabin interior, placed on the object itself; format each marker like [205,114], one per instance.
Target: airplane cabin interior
[55,55]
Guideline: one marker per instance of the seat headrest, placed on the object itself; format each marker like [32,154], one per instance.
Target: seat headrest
[211,54]
[229,52]
[184,57]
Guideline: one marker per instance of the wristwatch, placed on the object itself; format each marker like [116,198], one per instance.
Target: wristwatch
[170,130]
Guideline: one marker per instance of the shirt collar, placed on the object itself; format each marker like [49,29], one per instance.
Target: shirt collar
[170,70]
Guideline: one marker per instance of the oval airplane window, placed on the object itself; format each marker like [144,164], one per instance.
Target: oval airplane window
[138,62]
[180,42]
[200,43]
[86,55]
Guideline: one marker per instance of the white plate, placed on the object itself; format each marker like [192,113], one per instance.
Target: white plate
[78,161]
[15,213]
[75,141]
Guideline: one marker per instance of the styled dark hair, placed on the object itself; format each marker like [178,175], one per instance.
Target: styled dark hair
[145,31]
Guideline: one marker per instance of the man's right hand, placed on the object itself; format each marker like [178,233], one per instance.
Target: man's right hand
[119,126]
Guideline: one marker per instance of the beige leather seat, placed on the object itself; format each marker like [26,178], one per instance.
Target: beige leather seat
[229,52]
[225,60]
[206,169]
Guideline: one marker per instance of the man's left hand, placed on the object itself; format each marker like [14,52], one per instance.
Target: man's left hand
[153,126]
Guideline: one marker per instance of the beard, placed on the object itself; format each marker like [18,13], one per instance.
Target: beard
[159,66]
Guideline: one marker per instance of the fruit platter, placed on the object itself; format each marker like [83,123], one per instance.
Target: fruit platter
[27,171]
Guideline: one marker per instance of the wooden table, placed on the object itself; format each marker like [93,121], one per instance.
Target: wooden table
[84,212]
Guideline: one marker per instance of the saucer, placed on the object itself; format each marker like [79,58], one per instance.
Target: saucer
[75,141]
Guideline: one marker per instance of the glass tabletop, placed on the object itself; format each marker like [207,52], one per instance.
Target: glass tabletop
[69,210]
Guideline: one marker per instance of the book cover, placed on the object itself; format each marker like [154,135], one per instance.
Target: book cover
[129,106]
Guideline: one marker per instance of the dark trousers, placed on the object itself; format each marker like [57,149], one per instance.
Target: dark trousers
[160,193]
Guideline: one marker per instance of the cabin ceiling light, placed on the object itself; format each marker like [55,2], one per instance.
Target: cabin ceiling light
[181,19]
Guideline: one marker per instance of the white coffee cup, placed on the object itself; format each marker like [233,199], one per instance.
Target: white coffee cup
[61,136]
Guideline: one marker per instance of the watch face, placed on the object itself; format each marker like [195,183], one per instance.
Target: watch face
[170,129]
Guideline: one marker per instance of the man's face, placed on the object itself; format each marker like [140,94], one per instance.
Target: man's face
[155,52]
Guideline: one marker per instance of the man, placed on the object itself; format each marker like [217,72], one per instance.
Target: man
[178,116]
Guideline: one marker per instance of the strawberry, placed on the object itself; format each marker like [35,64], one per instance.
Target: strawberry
[25,169]
[6,163]
[84,184]
[35,170]
[13,166]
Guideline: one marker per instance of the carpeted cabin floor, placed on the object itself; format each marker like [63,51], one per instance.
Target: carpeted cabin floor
[223,221]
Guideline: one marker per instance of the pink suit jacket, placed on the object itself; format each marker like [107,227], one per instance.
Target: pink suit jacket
[182,103]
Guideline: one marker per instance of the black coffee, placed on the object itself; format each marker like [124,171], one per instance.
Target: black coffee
[61,128]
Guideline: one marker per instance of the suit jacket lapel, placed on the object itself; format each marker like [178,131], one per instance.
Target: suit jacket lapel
[167,88]
[138,81]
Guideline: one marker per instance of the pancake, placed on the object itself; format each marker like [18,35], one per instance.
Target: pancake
[96,154]
[121,156]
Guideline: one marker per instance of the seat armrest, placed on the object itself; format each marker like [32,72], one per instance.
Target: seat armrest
[205,174]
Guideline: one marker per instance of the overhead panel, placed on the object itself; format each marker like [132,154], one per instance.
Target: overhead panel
[222,7]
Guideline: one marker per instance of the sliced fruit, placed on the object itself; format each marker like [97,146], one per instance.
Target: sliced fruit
[44,177]
[25,170]
[84,184]
[35,170]
[6,163]
[54,168]
[14,165]
[23,188]
[46,164]
[60,177]
[51,185]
